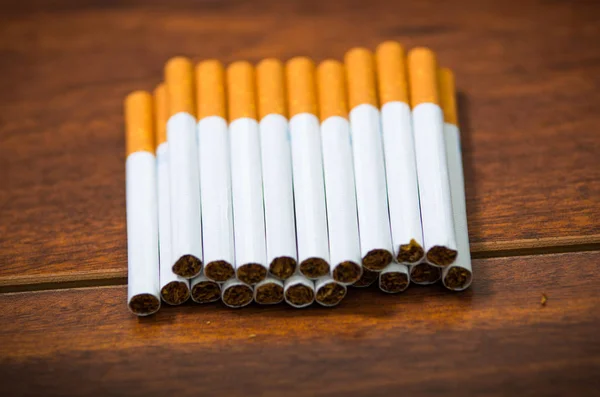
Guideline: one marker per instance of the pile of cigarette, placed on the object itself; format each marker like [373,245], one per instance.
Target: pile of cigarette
[291,182]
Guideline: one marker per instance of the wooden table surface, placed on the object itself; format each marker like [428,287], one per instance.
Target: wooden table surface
[529,79]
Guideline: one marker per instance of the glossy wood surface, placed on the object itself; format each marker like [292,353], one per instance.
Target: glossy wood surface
[495,338]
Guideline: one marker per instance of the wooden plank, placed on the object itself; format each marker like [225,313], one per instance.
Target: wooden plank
[528,72]
[495,339]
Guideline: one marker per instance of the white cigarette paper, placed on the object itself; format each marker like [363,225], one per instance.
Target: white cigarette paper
[164,226]
[309,190]
[246,175]
[329,292]
[299,291]
[143,293]
[205,290]
[338,170]
[371,194]
[397,276]
[186,223]
[401,170]
[399,149]
[432,167]
[369,167]
[215,179]
[249,220]
[278,189]
[269,291]
[142,231]
[236,294]
[459,275]
[307,169]
[457,186]
[276,158]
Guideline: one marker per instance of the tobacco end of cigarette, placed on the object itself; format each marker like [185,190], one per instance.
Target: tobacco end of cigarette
[269,293]
[391,71]
[161,113]
[457,278]
[299,295]
[187,266]
[210,89]
[251,273]
[393,282]
[424,273]
[441,256]
[271,87]
[422,71]
[360,70]
[139,123]
[179,77]
[206,292]
[411,252]
[175,292]
[314,267]
[377,259]
[219,271]
[283,267]
[331,86]
[368,278]
[347,272]
[237,295]
[330,294]
[144,304]
[301,86]
[448,95]
[241,90]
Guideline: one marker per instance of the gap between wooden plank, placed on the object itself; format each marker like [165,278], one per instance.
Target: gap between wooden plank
[528,247]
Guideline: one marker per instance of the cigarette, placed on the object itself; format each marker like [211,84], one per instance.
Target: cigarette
[338,168]
[174,289]
[399,150]
[246,175]
[269,291]
[394,278]
[142,213]
[276,158]
[459,275]
[215,174]
[424,273]
[186,225]
[434,186]
[299,291]
[205,290]
[369,168]
[307,165]
[236,293]
[329,292]
[367,279]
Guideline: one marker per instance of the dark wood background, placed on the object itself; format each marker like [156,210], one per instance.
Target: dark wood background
[528,72]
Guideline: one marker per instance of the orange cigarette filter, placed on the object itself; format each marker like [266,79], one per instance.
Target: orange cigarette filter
[161,113]
[179,77]
[271,88]
[210,89]
[448,95]
[391,72]
[360,72]
[301,85]
[331,86]
[241,91]
[422,71]
[139,131]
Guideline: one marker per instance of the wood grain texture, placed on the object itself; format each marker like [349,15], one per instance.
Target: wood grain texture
[495,339]
[528,72]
